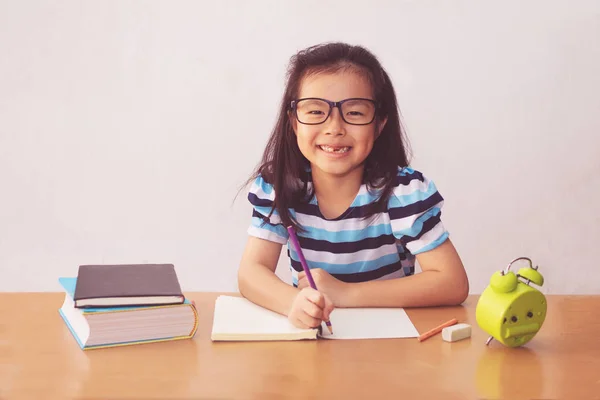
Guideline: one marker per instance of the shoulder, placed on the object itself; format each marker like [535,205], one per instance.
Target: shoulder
[261,192]
[407,177]
[411,188]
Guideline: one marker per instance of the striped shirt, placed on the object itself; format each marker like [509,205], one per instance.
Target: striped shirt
[350,247]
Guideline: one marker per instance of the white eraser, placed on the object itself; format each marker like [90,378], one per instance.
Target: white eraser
[456,332]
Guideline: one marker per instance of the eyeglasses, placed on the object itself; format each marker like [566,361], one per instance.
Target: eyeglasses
[314,111]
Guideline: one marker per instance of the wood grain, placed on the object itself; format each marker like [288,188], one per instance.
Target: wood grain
[39,359]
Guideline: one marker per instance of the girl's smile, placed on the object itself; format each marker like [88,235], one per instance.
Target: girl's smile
[335,151]
[335,147]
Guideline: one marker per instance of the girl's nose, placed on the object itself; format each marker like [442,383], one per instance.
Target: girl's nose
[335,123]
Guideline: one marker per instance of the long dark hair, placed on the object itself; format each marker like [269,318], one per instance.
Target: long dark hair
[282,162]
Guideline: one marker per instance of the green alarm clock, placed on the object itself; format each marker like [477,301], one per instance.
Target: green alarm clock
[509,309]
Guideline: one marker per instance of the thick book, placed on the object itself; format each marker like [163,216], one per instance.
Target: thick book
[127,285]
[95,328]
[238,319]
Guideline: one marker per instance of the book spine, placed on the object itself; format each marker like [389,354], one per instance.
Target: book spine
[196,319]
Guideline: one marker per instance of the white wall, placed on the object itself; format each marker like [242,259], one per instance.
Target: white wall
[127,126]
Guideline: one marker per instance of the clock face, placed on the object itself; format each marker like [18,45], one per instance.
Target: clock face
[523,318]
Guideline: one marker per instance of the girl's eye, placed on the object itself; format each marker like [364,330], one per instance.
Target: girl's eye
[355,113]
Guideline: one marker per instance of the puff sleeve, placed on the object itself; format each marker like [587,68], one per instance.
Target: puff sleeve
[415,209]
[261,197]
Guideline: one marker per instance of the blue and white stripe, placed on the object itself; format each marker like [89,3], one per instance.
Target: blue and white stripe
[354,249]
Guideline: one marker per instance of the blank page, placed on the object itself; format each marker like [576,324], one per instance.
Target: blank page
[237,318]
[370,323]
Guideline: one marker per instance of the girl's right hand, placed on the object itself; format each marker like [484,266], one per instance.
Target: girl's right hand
[309,309]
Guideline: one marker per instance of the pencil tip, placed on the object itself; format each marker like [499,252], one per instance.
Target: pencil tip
[330,329]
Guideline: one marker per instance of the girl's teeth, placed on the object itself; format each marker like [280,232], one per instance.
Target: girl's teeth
[335,149]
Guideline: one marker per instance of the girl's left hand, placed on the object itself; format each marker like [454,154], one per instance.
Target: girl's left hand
[335,289]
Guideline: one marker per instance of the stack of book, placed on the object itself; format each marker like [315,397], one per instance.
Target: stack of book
[126,304]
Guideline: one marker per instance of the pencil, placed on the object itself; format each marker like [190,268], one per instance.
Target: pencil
[294,240]
[437,329]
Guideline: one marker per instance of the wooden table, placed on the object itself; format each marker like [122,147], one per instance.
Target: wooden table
[39,359]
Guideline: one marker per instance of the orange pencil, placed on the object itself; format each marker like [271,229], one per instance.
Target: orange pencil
[437,329]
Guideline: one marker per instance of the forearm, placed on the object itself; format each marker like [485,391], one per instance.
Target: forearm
[260,285]
[428,288]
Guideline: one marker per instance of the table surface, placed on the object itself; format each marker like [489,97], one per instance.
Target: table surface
[39,359]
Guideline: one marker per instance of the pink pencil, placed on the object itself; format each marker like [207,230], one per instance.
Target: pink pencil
[296,244]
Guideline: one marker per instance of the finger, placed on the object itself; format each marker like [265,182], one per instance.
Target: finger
[301,275]
[315,297]
[299,324]
[309,321]
[312,310]
[328,308]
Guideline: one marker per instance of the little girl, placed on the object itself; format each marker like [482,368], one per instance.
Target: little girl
[335,168]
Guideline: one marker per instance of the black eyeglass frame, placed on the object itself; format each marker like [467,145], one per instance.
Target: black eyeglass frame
[332,104]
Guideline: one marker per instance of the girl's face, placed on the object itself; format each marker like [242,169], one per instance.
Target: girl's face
[335,147]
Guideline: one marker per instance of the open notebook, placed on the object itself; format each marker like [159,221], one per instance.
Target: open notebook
[238,319]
